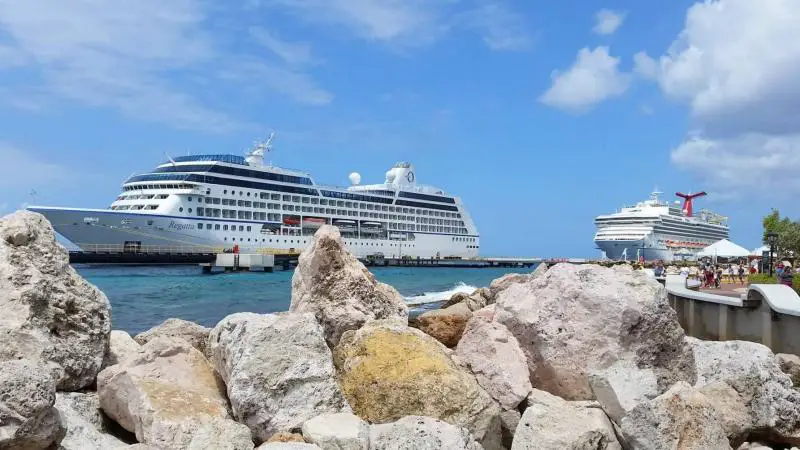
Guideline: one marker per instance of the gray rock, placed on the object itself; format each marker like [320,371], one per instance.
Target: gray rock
[342,431]
[121,346]
[681,418]
[342,294]
[493,354]
[80,414]
[790,365]
[551,422]
[621,386]
[169,396]
[754,374]
[28,419]
[509,420]
[278,370]
[420,433]
[194,334]
[50,313]
[575,319]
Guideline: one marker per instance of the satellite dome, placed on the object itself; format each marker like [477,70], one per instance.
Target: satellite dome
[355,178]
[390,176]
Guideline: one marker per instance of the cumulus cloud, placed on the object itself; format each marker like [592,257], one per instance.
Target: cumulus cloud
[740,83]
[501,28]
[593,77]
[608,21]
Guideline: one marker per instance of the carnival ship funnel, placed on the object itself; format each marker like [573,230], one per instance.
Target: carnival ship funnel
[687,201]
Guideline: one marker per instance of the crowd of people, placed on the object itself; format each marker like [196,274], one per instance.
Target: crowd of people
[713,275]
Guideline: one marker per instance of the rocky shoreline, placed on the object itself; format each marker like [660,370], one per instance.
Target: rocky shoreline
[571,357]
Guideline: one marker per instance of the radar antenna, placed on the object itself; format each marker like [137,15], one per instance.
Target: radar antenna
[260,148]
[687,201]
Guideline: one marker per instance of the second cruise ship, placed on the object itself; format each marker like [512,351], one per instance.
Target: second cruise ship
[657,230]
[213,202]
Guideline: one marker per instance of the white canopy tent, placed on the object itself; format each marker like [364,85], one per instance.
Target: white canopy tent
[724,249]
[760,250]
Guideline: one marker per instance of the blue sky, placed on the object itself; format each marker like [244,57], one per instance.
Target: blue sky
[540,115]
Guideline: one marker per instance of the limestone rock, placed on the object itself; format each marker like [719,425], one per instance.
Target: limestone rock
[509,420]
[121,345]
[487,312]
[420,433]
[333,285]
[455,299]
[753,372]
[85,430]
[278,370]
[732,411]
[480,298]
[194,334]
[28,419]
[551,422]
[445,325]
[169,396]
[388,371]
[286,436]
[500,284]
[790,365]
[50,313]
[287,446]
[680,419]
[622,386]
[575,319]
[494,356]
[341,431]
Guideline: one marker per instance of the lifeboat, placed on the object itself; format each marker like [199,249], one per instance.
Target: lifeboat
[371,224]
[313,222]
[291,221]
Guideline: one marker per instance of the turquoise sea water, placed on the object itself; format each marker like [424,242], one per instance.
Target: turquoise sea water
[142,297]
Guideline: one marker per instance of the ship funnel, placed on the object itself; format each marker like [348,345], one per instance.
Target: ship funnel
[687,201]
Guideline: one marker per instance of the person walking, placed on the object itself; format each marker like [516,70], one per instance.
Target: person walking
[741,274]
[787,276]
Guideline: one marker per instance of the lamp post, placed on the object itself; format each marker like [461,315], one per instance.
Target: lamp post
[772,239]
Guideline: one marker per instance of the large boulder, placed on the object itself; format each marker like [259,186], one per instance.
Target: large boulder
[493,354]
[445,325]
[575,319]
[333,285]
[551,422]
[420,433]
[278,370]
[501,284]
[757,383]
[680,419]
[790,365]
[121,346]
[50,313]
[621,386]
[480,298]
[388,371]
[342,431]
[169,396]
[194,334]
[28,419]
[85,428]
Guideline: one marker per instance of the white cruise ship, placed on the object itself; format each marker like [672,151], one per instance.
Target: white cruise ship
[212,202]
[657,230]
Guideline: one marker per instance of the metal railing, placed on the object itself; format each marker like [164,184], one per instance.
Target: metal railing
[122,248]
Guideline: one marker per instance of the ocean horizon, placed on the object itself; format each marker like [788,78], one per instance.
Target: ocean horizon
[144,296]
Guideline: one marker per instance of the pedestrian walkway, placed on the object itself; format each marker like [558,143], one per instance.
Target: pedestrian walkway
[727,289]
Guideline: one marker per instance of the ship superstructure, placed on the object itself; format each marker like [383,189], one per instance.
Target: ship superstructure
[206,202]
[657,230]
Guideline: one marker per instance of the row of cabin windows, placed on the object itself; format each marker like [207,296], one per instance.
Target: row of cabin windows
[464,239]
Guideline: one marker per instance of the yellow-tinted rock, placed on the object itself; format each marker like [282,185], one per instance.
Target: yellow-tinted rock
[445,325]
[388,371]
[285,436]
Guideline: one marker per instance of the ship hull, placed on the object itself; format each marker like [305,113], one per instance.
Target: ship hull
[630,250]
[97,230]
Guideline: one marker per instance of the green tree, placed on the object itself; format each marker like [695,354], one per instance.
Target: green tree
[788,233]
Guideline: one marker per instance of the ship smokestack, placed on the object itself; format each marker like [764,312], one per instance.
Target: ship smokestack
[687,201]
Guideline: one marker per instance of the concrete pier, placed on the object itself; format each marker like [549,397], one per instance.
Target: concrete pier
[768,314]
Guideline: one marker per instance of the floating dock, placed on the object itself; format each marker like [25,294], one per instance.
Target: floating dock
[240,262]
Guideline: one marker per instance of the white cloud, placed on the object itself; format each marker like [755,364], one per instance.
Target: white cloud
[137,57]
[293,53]
[594,77]
[408,23]
[751,163]
[291,83]
[740,83]
[501,28]
[608,21]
